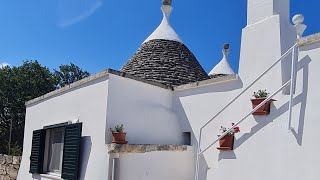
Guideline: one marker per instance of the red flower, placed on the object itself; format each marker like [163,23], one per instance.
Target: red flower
[232,124]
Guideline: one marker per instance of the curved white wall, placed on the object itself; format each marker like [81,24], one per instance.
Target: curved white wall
[146,111]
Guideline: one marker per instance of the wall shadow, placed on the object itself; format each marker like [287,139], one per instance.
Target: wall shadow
[300,99]
[85,151]
[227,155]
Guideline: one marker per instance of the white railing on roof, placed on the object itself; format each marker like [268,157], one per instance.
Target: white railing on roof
[292,84]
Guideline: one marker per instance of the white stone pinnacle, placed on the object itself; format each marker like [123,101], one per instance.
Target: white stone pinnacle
[223,67]
[298,24]
[164,30]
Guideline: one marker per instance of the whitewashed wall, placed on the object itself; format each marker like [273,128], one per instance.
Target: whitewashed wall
[87,102]
[269,150]
[158,165]
[265,145]
[145,111]
[265,149]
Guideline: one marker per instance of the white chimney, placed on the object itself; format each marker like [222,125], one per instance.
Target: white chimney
[259,10]
[267,36]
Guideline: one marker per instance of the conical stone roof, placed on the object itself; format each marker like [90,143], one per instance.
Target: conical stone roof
[163,58]
[167,62]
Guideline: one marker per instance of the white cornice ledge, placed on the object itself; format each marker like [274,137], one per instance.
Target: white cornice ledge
[68,87]
[223,79]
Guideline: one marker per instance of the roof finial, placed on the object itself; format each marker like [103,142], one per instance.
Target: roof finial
[298,24]
[225,50]
[167,2]
[166,8]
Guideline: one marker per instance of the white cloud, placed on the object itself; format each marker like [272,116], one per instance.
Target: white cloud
[74,11]
[4,64]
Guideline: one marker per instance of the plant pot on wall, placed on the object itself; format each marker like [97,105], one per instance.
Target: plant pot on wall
[118,135]
[119,138]
[264,109]
[226,143]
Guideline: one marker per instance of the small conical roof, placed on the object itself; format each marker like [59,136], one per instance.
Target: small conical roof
[163,58]
[223,67]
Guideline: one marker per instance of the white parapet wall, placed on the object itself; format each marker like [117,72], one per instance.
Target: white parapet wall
[156,162]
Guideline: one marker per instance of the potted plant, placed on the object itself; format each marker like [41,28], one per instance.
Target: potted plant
[226,142]
[259,97]
[118,135]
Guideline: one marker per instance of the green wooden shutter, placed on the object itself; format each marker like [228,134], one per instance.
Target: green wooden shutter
[71,151]
[37,149]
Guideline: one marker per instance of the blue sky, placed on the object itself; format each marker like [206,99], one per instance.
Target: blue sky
[100,34]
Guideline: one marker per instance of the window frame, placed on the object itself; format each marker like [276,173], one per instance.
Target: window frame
[48,138]
[70,157]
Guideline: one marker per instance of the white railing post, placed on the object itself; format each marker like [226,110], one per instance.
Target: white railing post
[197,160]
[292,85]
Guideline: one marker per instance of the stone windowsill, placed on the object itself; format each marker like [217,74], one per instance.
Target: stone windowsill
[50,176]
[143,148]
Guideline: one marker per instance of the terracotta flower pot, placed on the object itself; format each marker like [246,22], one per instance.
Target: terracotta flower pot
[264,109]
[119,138]
[226,143]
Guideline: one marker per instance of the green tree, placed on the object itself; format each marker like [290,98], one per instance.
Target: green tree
[68,74]
[18,85]
[21,84]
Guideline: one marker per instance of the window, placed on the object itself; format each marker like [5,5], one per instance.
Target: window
[55,150]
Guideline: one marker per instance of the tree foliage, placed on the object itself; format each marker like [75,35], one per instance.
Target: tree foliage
[68,74]
[21,84]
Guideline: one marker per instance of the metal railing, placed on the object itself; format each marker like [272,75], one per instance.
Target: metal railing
[292,84]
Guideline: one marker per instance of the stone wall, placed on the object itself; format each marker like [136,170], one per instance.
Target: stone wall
[9,167]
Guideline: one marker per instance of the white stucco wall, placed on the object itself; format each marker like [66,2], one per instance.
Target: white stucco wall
[264,147]
[160,165]
[88,102]
[145,111]
[269,150]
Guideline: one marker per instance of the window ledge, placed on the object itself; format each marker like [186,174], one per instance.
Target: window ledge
[143,148]
[50,176]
